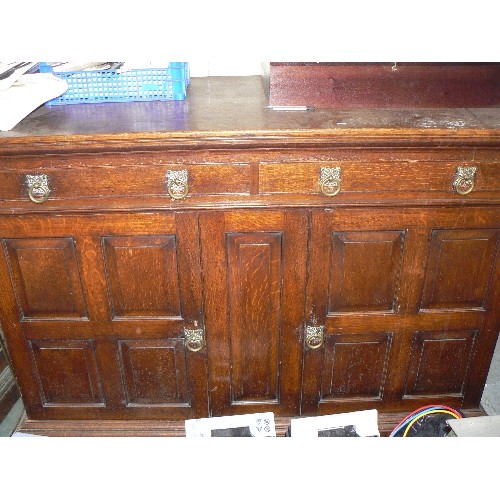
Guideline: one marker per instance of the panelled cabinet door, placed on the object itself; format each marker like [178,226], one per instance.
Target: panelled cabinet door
[98,312]
[459,317]
[356,291]
[400,303]
[254,270]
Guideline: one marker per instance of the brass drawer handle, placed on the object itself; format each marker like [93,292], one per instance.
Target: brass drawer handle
[315,336]
[464,180]
[177,184]
[330,180]
[38,188]
[195,338]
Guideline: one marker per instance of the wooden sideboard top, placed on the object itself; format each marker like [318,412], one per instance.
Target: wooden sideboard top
[232,110]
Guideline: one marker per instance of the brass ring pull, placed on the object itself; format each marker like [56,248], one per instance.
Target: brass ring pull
[38,188]
[464,180]
[195,339]
[315,336]
[38,193]
[177,184]
[330,180]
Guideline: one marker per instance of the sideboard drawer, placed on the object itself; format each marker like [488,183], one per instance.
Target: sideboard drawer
[44,183]
[431,178]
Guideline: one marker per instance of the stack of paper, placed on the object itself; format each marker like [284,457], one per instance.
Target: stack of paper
[22,93]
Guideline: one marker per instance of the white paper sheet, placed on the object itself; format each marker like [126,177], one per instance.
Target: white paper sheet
[25,95]
[251,425]
[363,423]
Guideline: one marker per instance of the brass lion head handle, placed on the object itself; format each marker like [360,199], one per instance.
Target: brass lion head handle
[465,179]
[315,336]
[194,338]
[38,187]
[330,180]
[177,184]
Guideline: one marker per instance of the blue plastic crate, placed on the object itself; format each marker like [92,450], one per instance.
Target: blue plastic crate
[150,84]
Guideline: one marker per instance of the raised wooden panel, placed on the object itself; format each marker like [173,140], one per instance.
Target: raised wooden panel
[365,270]
[46,278]
[459,268]
[143,275]
[67,371]
[254,264]
[154,372]
[255,271]
[440,362]
[354,366]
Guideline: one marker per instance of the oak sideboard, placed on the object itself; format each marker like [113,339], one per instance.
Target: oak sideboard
[162,261]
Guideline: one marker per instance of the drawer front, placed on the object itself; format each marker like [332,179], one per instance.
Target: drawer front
[54,180]
[428,178]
